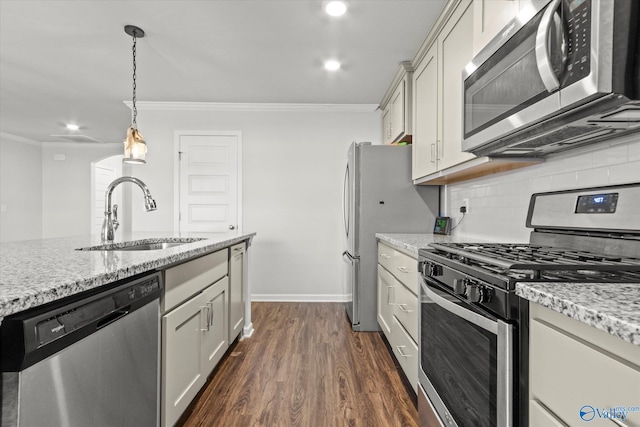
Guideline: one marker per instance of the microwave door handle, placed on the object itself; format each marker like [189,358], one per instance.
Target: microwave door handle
[543,59]
[468,315]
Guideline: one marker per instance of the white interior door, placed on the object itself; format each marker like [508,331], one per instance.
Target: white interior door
[209,182]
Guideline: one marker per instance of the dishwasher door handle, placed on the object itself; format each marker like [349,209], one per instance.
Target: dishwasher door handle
[112,317]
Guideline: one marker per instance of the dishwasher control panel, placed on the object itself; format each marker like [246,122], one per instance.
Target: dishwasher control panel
[37,333]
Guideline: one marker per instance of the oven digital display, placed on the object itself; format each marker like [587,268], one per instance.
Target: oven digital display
[597,203]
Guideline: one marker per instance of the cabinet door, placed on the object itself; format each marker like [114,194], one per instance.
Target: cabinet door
[386,125]
[574,378]
[397,112]
[182,376]
[455,43]
[214,335]
[236,296]
[386,287]
[489,18]
[425,115]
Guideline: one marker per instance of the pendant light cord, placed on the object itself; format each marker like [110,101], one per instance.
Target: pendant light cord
[135,111]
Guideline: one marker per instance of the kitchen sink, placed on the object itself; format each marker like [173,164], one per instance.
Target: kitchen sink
[149,246]
[142,245]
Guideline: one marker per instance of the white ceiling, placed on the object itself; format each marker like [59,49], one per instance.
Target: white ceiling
[71,61]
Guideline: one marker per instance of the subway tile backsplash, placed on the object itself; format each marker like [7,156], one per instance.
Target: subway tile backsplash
[498,203]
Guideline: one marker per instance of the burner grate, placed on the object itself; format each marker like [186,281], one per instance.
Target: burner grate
[528,261]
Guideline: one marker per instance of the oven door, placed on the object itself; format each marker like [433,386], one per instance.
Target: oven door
[466,360]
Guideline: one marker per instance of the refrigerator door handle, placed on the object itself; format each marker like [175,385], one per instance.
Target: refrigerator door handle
[346,256]
[345,203]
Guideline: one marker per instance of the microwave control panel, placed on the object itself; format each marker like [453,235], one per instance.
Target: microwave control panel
[578,33]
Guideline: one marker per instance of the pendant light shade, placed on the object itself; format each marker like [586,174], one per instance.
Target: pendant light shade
[135,148]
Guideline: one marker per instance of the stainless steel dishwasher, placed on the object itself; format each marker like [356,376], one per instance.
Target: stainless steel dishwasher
[85,361]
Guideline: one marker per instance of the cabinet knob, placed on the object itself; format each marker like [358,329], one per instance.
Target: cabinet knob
[232,227]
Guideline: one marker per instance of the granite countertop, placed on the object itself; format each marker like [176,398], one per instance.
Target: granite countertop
[414,242]
[35,272]
[614,309]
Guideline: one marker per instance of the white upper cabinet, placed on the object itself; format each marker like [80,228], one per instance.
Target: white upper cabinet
[454,53]
[437,96]
[425,110]
[489,18]
[386,125]
[396,107]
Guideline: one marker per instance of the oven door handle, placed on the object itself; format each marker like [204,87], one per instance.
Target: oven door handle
[477,319]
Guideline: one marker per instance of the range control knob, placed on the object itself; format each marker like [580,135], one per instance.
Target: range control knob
[434,270]
[459,286]
[477,293]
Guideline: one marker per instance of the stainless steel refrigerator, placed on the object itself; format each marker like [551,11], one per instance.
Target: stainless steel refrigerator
[378,197]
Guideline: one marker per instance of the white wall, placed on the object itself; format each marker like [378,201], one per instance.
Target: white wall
[499,203]
[292,165]
[20,190]
[66,186]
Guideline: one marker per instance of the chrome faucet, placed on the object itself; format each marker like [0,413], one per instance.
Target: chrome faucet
[109,226]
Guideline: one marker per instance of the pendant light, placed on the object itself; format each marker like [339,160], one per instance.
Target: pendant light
[135,148]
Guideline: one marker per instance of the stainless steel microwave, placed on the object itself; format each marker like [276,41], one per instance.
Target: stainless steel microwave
[563,73]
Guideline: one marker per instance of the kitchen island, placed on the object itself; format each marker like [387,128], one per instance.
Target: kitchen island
[36,272]
[192,302]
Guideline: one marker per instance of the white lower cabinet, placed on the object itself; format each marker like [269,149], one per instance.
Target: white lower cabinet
[406,351]
[398,306]
[214,334]
[236,295]
[386,287]
[579,375]
[194,329]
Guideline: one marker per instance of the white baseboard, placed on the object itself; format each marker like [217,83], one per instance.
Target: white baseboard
[299,298]
[247,331]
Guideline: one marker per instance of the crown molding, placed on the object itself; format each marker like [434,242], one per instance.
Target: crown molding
[253,107]
[405,67]
[18,138]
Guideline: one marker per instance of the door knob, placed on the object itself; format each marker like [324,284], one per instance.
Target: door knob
[232,227]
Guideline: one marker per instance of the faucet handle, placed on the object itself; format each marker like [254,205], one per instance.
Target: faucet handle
[115,222]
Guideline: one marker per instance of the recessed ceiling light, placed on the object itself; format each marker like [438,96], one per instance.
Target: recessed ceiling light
[71,126]
[332,65]
[335,8]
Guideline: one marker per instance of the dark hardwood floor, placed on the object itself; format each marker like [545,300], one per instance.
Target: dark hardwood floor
[304,366]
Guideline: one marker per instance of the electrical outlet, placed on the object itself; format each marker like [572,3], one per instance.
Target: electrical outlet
[465,205]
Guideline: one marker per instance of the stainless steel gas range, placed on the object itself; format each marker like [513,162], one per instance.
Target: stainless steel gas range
[474,328]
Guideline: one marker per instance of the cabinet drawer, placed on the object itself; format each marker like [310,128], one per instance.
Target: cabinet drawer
[406,352]
[401,265]
[191,277]
[406,310]
[568,373]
